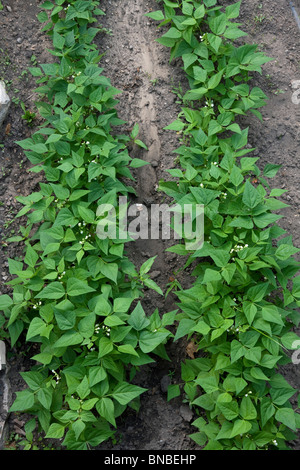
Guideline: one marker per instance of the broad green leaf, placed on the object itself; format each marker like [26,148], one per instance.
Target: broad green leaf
[251,196]
[151,340]
[287,417]
[124,393]
[106,408]
[247,409]
[52,291]
[5,302]
[55,431]
[156,15]
[77,287]
[240,427]
[70,338]
[138,319]
[105,347]
[24,401]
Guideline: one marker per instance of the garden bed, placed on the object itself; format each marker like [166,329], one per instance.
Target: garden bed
[140,67]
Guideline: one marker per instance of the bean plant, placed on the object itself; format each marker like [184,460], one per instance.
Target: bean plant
[75,298]
[242,306]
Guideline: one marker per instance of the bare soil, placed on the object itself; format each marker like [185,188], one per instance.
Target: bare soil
[140,67]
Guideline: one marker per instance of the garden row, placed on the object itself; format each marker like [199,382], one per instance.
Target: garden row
[73,290]
[243,304]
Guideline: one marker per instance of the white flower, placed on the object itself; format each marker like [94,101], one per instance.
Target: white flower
[87,142]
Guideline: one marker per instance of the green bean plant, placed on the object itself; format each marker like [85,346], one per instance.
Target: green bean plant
[75,297]
[242,306]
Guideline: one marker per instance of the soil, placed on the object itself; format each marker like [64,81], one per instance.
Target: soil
[140,67]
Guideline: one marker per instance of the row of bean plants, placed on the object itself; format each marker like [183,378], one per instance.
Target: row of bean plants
[243,302]
[76,297]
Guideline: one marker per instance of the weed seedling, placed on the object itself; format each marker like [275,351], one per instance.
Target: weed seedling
[28,116]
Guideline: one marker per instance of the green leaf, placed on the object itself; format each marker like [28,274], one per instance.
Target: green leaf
[127,349]
[218,24]
[5,302]
[156,15]
[150,340]
[138,163]
[138,319]
[44,396]
[247,409]
[37,327]
[55,431]
[83,388]
[209,383]
[122,304]
[173,33]
[106,408]
[233,11]
[202,327]
[284,251]
[290,340]
[146,266]
[287,417]
[141,144]
[78,427]
[24,401]
[271,314]
[96,375]
[77,287]
[214,81]
[214,128]
[173,391]
[87,214]
[53,291]
[211,276]
[258,374]
[124,393]
[229,410]
[47,5]
[105,347]
[240,427]
[267,410]
[65,319]
[184,328]
[110,270]
[70,338]
[251,196]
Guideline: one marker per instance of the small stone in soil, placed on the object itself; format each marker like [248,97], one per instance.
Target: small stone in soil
[186,413]
[164,383]
[155,274]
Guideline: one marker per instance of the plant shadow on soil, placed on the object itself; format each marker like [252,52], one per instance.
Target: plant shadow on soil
[140,67]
